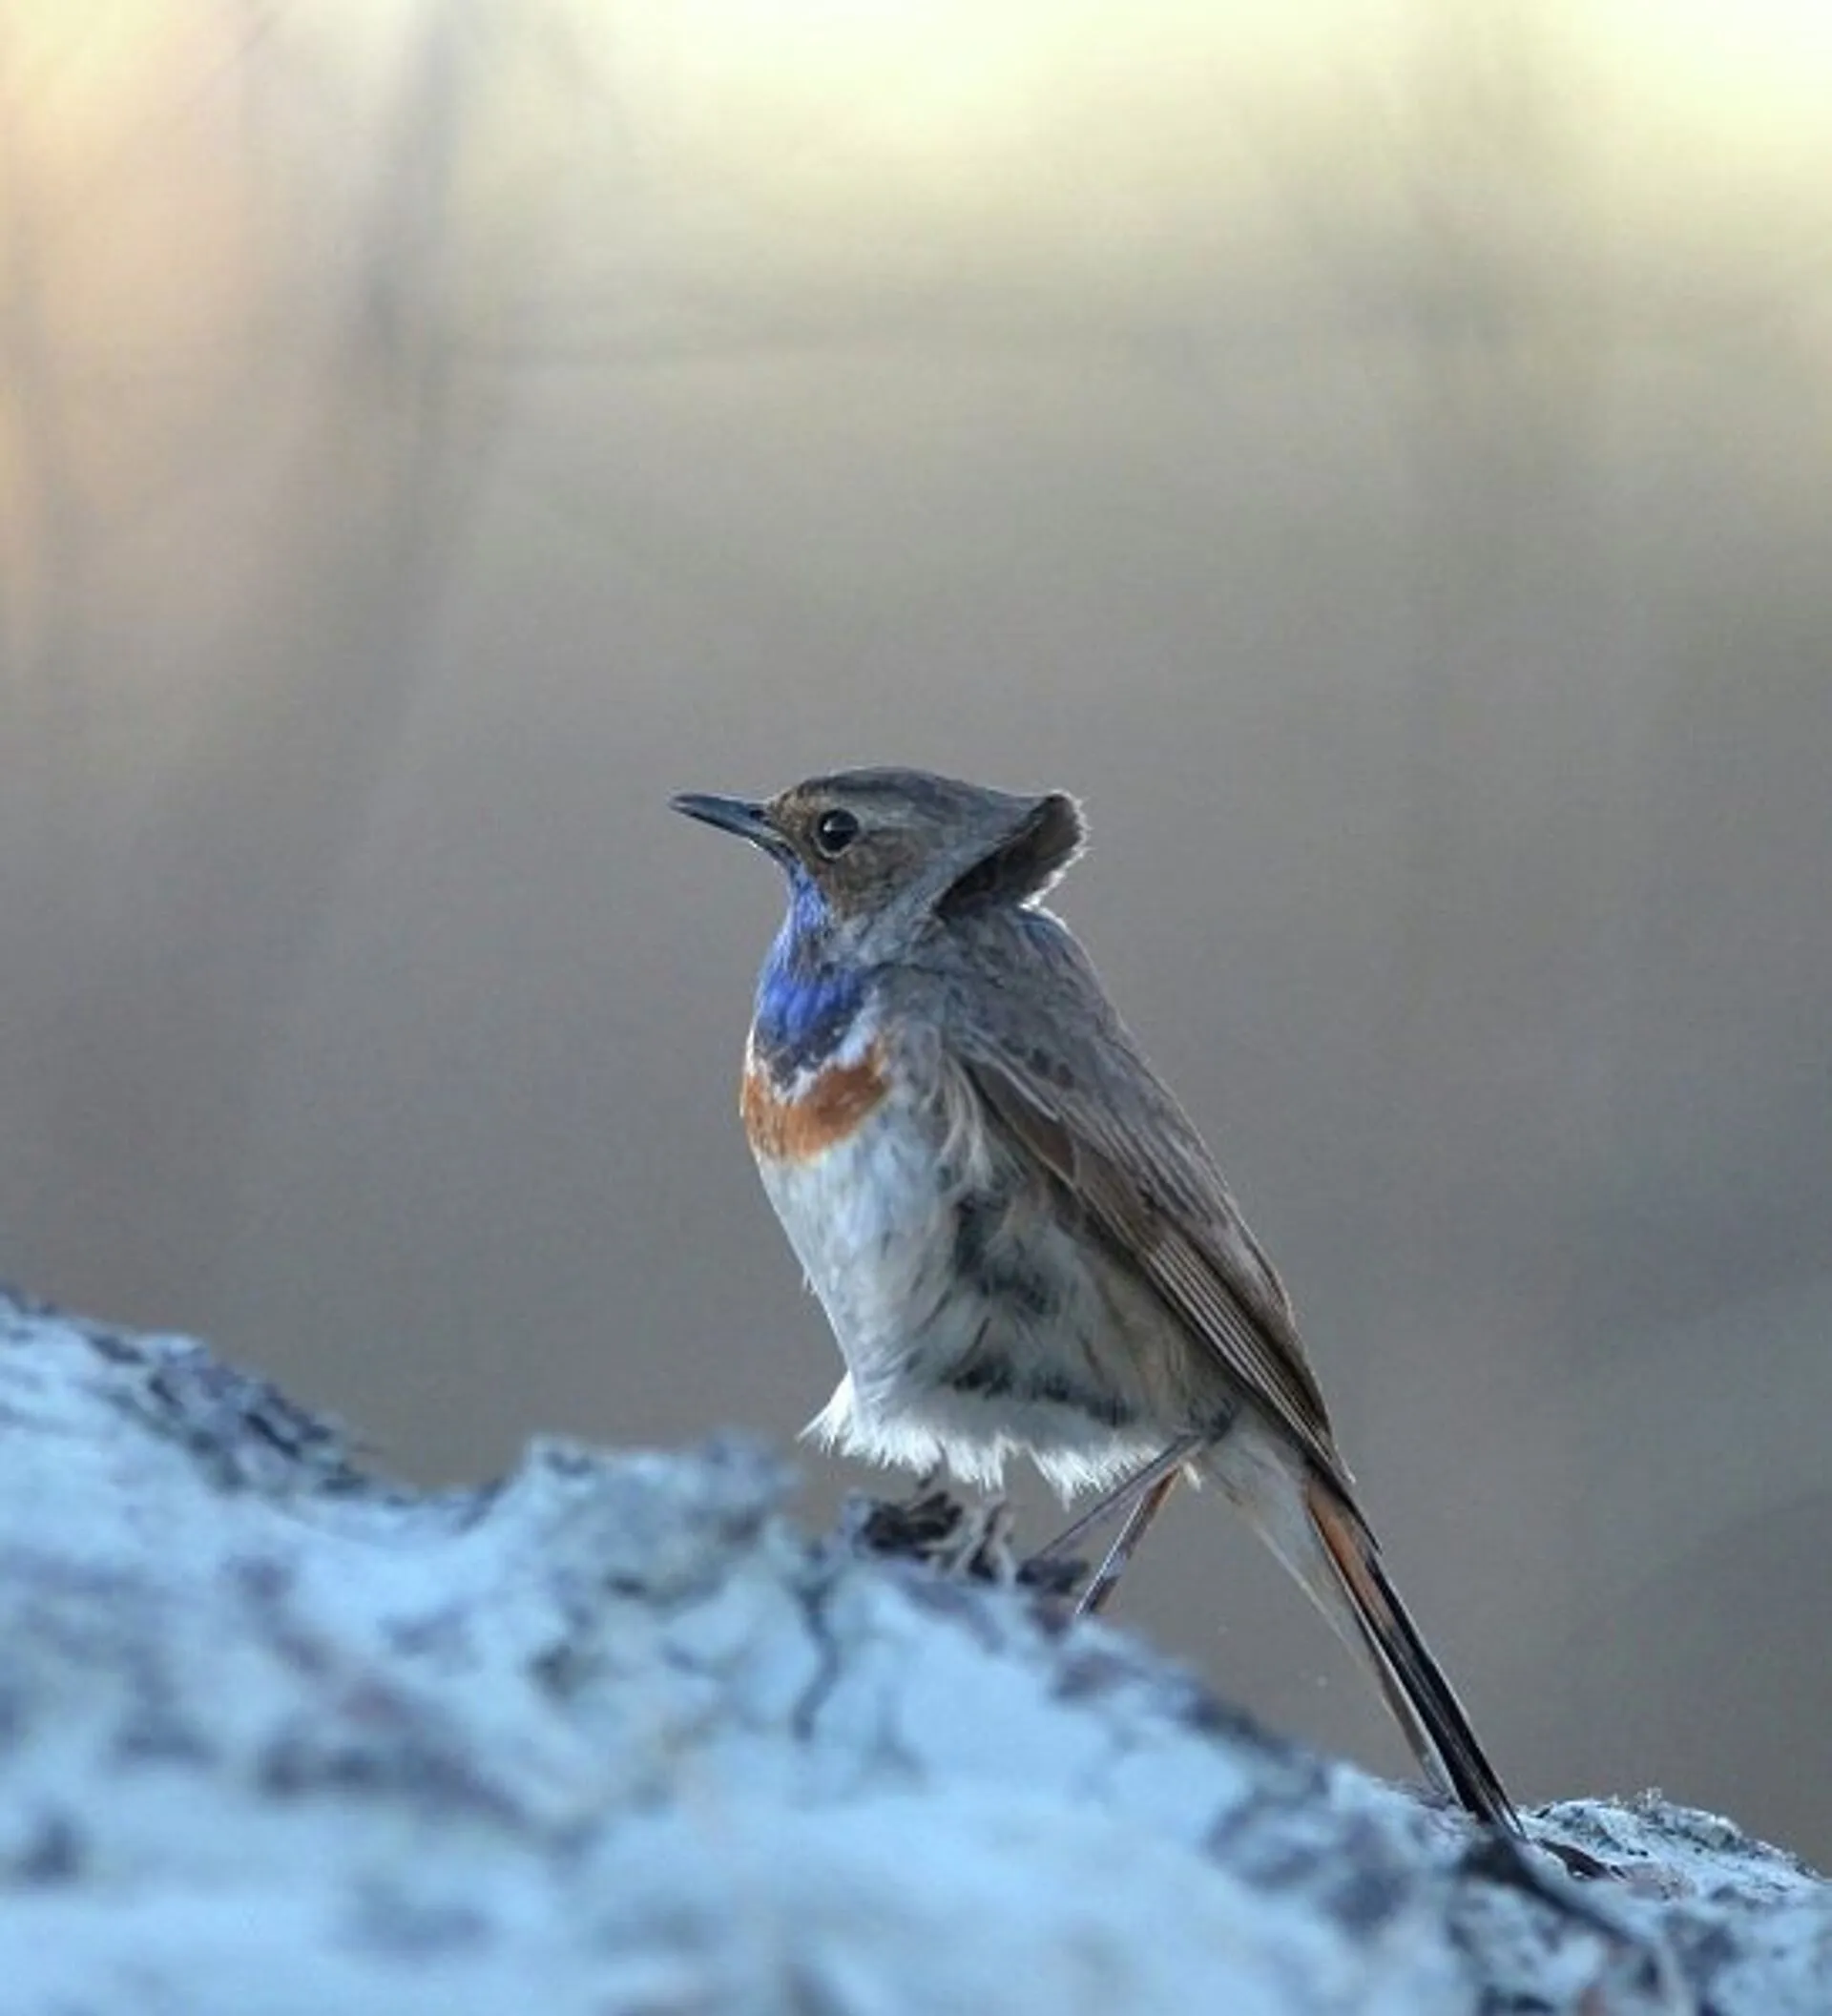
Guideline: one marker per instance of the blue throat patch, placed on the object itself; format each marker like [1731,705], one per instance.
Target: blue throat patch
[804,1005]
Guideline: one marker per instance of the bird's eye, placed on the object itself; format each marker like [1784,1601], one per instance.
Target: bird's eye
[835,831]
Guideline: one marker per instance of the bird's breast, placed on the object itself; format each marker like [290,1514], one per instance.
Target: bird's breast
[849,1154]
[972,1317]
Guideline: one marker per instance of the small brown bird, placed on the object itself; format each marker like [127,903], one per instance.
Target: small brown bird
[1021,1243]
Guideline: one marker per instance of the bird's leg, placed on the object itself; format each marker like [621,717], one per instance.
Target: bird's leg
[1127,1493]
[1147,1507]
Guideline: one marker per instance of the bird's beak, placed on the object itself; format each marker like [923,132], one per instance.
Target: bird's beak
[731,815]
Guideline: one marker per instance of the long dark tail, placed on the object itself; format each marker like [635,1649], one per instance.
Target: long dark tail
[1371,1616]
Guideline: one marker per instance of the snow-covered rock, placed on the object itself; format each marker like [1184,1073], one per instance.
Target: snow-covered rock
[278,1736]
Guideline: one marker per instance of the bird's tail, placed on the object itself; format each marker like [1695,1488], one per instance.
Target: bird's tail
[1360,1600]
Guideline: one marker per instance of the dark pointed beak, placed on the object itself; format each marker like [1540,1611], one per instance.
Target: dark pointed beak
[731,815]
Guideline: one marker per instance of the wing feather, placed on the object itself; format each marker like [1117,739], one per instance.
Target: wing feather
[1084,1104]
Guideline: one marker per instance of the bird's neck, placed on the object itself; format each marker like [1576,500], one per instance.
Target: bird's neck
[807,996]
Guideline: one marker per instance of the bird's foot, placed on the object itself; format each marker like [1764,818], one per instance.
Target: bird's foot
[933,1525]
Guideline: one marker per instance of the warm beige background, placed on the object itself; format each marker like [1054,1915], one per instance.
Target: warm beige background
[1381,455]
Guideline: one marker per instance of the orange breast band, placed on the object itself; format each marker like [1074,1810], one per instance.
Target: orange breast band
[798,1130]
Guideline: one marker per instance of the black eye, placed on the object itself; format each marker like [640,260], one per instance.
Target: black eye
[835,831]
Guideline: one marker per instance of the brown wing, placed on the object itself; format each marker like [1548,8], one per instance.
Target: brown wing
[1081,1100]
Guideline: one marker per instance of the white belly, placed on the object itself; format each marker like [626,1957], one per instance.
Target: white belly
[952,1364]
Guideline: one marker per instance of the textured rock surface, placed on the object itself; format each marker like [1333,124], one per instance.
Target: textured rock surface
[276,1735]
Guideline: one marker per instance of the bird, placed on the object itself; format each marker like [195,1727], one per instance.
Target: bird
[1021,1243]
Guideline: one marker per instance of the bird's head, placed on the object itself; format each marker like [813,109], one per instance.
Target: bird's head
[879,856]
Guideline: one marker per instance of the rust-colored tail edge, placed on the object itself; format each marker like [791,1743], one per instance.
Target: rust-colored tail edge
[1421,1698]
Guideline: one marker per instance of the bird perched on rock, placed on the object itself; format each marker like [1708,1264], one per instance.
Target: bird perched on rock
[1018,1236]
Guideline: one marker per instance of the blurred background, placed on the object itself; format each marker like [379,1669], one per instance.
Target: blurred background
[1379,454]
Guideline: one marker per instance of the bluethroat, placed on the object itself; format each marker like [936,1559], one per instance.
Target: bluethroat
[1019,1238]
